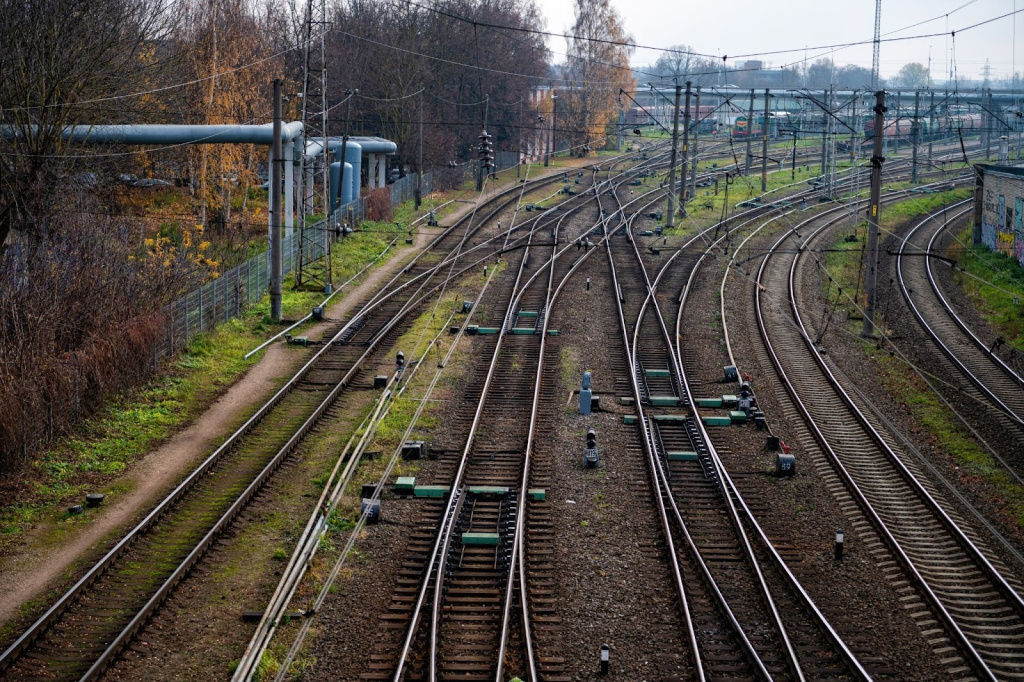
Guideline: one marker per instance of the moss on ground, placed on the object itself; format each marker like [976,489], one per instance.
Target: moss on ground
[844,263]
[995,284]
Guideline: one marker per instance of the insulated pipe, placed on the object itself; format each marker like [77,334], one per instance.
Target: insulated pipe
[170,134]
[335,173]
[346,191]
[350,183]
[354,156]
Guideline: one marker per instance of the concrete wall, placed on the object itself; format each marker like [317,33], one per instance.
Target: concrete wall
[1002,206]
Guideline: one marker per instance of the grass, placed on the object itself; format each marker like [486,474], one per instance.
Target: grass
[995,284]
[935,418]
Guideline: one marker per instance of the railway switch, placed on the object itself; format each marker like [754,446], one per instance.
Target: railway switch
[415,449]
[785,465]
[585,394]
[371,509]
[590,455]
[405,484]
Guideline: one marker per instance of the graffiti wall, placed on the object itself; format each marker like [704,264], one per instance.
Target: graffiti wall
[1002,213]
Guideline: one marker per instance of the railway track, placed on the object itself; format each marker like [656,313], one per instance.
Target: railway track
[993,380]
[707,519]
[466,567]
[88,626]
[962,591]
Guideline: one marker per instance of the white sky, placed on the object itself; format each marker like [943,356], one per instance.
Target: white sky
[738,27]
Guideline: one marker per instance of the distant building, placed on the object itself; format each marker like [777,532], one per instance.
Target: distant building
[999,208]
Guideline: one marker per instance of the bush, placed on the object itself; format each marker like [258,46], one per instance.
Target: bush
[378,204]
[79,319]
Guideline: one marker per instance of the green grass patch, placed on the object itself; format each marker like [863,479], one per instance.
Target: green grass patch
[945,430]
[995,284]
[843,262]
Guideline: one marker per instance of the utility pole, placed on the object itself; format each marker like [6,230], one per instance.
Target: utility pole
[686,152]
[986,122]
[344,143]
[419,166]
[877,44]
[856,130]
[750,134]
[618,135]
[792,174]
[899,117]
[696,133]
[917,135]
[871,271]
[276,173]
[764,142]
[522,127]
[554,125]
[931,126]
[672,162]
[824,130]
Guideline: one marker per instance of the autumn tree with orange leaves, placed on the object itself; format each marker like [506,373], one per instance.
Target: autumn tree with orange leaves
[597,66]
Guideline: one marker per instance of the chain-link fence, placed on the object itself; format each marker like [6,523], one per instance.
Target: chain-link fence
[227,296]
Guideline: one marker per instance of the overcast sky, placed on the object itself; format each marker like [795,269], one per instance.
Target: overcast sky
[745,26]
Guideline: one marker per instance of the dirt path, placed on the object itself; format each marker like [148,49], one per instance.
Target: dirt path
[45,556]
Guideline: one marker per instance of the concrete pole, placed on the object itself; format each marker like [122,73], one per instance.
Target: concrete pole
[764,141]
[931,126]
[824,130]
[672,162]
[419,166]
[854,141]
[686,152]
[276,168]
[916,135]
[696,133]
[750,134]
[871,271]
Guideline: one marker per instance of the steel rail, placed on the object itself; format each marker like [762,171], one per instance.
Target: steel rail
[698,558]
[943,346]
[676,571]
[50,615]
[448,520]
[858,494]
[446,517]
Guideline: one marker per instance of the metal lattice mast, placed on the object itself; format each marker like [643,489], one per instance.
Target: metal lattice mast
[877,46]
[313,262]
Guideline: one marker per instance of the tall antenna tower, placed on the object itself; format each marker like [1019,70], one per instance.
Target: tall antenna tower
[878,45]
[313,266]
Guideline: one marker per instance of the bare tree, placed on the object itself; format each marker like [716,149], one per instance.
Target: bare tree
[63,63]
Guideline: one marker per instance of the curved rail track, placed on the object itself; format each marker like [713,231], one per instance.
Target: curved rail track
[91,623]
[996,381]
[977,607]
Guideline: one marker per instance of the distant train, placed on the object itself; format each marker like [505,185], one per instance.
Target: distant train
[944,125]
[777,121]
